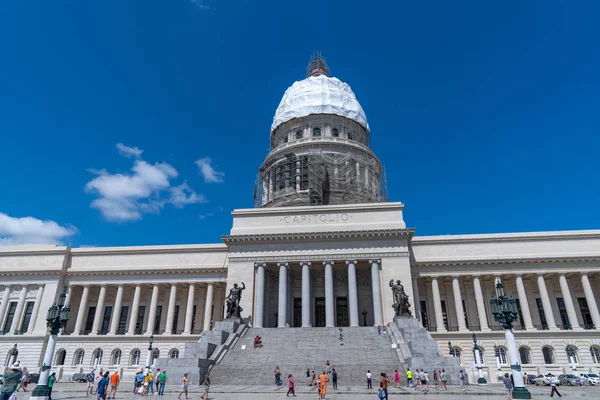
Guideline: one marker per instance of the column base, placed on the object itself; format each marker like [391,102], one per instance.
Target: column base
[578,328]
[41,392]
[554,329]
[485,330]
[531,328]
[521,393]
[481,381]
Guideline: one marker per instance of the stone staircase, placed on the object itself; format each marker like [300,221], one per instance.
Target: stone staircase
[296,349]
[417,349]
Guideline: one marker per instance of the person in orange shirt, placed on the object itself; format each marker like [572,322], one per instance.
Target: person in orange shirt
[114,383]
[323,379]
[384,385]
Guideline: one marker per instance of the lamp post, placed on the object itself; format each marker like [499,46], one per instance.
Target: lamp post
[498,367]
[504,310]
[364,313]
[12,356]
[450,349]
[56,319]
[149,356]
[478,362]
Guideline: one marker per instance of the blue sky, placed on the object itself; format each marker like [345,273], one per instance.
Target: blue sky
[485,115]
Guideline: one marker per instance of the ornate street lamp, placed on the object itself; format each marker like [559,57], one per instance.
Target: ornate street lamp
[450,349]
[149,356]
[364,313]
[498,367]
[56,319]
[504,310]
[478,362]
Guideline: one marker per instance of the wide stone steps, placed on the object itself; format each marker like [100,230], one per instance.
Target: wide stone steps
[296,349]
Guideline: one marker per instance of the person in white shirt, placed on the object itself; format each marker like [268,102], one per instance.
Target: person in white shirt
[369,380]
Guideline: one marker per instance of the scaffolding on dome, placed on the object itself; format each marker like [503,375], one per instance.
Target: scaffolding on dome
[317,178]
[317,65]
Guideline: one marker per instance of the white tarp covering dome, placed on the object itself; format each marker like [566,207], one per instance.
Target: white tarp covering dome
[319,95]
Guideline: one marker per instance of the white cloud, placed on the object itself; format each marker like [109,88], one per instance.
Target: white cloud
[200,4]
[30,230]
[208,172]
[145,190]
[129,151]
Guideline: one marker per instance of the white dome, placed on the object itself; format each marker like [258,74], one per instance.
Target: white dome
[319,95]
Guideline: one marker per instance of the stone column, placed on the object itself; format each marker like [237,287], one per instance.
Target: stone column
[352,293]
[69,293]
[564,288]
[260,295]
[589,298]
[329,298]
[524,303]
[480,301]
[19,311]
[171,310]
[82,312]
[417,305]
[305,294]
[4,304]
[114,322]
[437,305]
[152,313]
[99,309]
[376,288]
[546,303]
[36,308]
[189,312]
[208,307]
[282,300]
[135,306]
[458,306]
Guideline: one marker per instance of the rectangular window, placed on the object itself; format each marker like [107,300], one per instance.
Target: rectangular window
[27,316]
[464,304]
[175,319]
[157,322]
[341,305]
[89,322]
[194,318]
[540,307]
[424,319]
[586,316]
[123,320]
[106,320]
[140,320]
[563,313]
[297,312]
[444,314]
[12,307]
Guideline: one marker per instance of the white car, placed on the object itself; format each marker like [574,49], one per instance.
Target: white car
[547,380]
[592,379]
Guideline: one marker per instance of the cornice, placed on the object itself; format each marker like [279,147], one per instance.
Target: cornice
[271,211]
[127,250]
[298,259]
[164,270]
[507,261]
[506,237]
[307,236]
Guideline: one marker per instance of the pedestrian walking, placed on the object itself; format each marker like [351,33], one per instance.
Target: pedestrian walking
[313,377]
[508,385]
[444,379]
[90,383]
[114,384]
[277,373]
[554,388]
[328,367]
[384,385]
[396,378]
[426,376]
[150,382]
[184,387]
[369,380]
[409,377]
[462,380]
[156,381]
[162,381]
[291,386]
[341,339]
[435,378]
[12,377]
[206,386]
[307,376]
[323,379]
[23,381]
[334,378]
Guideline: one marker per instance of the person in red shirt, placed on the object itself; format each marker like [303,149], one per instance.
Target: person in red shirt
[291,386]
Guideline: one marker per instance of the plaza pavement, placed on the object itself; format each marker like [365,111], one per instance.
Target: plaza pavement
[73,391]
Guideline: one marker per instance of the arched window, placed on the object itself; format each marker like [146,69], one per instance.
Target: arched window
[78,357]
[335,132]
[174,353]
[548,353]
[524,354]
[97,357]
[595,354]
[316,132]
[502,355]
[572,352]
[116,357]
[61,355]
[135,357]
[455,352]
[299,135]
[155,354]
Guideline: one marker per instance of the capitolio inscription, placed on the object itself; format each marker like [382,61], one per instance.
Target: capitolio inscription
[316,218]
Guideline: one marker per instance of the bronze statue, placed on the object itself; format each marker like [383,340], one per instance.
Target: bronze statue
[401,305]
[233,301]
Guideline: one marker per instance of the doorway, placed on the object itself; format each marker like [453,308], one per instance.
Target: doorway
[297,312]
[341,306]
[320,312]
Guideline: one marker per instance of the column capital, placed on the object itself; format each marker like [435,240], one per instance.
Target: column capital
[540,274]
[303,263]
[282,264]
[256,265]
[583,273]
[328,262]
[563,274]
[172,284]
[351,261]
[378,261]
[454,276]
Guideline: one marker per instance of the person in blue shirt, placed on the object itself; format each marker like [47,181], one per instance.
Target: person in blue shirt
[102,387]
